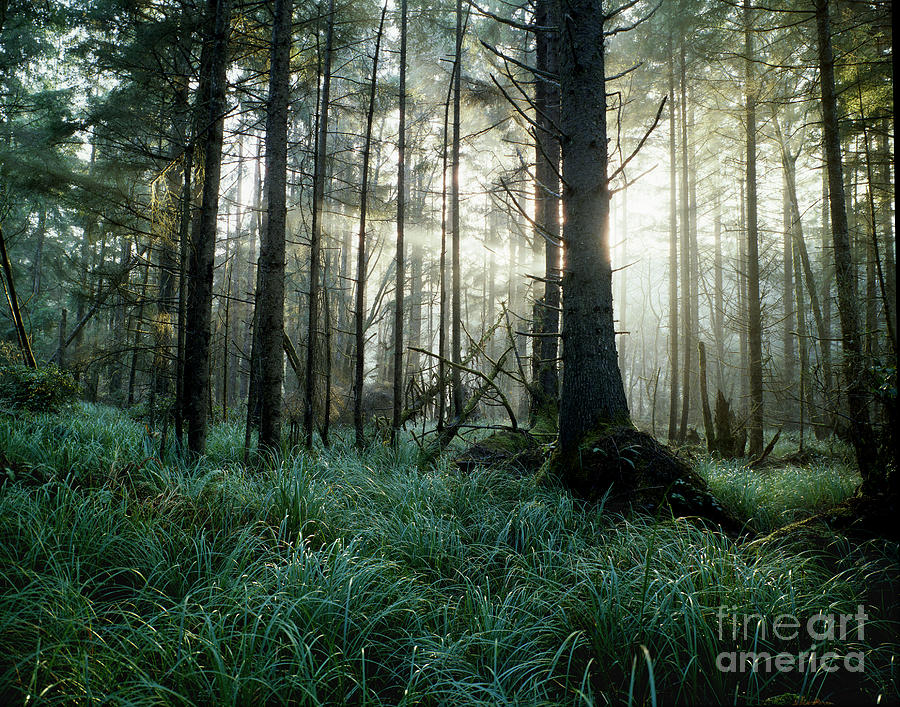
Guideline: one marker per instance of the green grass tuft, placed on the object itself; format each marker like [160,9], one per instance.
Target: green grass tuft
[354,577]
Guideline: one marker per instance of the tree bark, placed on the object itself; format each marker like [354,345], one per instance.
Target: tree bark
[800,252]
[210,129]
[316,233]
[13,301]
[592,391]
[718,315]
[401,215]
[270,274]
[708,427]
[855,375]
[789,327]
[673,254]
[360,354]
[686,286]
[455,308]
[37,265]
[754,320]
[546,210]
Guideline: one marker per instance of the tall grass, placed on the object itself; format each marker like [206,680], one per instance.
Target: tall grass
[773,497]
[355,577]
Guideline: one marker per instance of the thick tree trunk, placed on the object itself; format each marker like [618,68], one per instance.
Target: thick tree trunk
[592,391]
[210,128]
[855,375]
[270,276]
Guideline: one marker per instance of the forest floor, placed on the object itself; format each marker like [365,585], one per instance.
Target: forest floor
[347,577]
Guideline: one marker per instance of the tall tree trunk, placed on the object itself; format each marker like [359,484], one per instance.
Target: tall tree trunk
[827,268]
[718,316]
[686,324]
[875,278]
[61,338]
[695,257]
[805,397]
[235,276]
[251,343]
[442,315]
[210,130]
[401,262]
[592,391]
[118,326]
[326,305]
[249,379]
[855,375]
[546,209]
[789,327]
[270,275]
[416,288]
[167,268]
[673,254]
[742,303]
[883,183]
[136,323]
[622,217]
[455,310]
[37,265]
[754,320]
[316,233]
[13,302]
[800,253]
[184,229]
[360,354]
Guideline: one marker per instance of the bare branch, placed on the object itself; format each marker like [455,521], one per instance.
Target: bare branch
[508,22]
[621,167]
[552,78]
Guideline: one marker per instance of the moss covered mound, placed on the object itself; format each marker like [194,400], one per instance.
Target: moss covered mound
[862,516]
[516,450]
[625,467]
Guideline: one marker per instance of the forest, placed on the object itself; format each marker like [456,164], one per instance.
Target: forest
[444,352]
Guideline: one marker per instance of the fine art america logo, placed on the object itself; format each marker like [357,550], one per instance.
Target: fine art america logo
[825,633]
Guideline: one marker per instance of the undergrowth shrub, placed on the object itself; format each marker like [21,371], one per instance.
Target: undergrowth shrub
[46,388]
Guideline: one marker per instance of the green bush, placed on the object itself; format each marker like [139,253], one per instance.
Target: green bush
[43,389]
